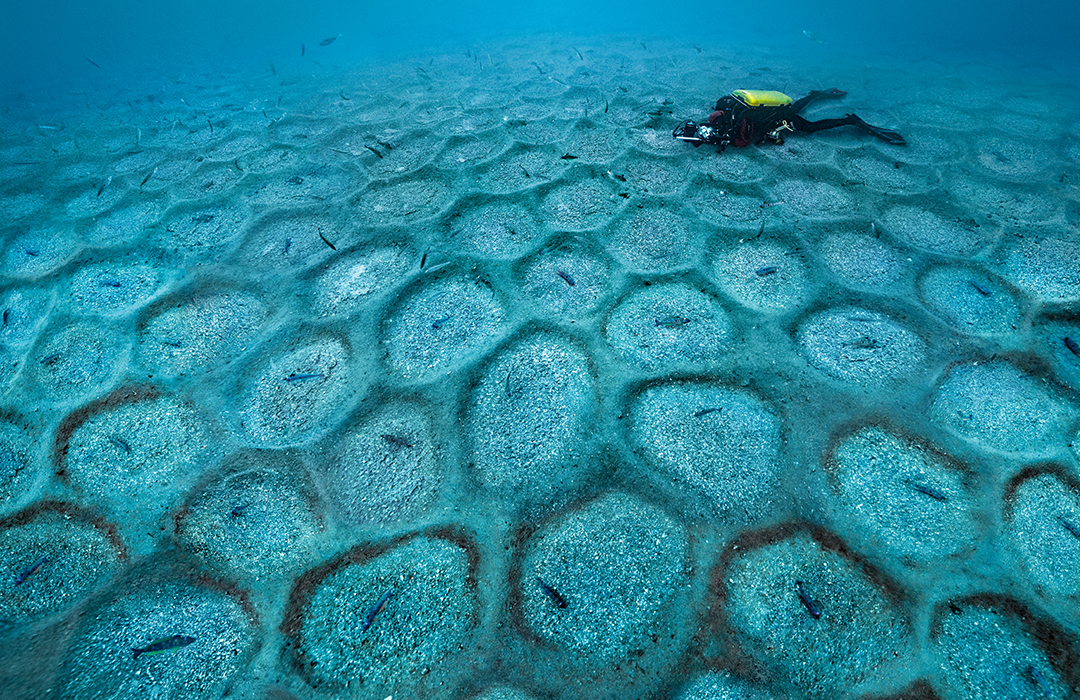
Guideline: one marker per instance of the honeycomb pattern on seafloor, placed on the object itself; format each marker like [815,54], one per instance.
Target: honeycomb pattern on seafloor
[461,378]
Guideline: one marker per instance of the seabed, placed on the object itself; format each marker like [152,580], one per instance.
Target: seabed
[459,377]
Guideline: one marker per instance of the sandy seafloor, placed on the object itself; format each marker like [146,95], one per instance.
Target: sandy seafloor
[458,377]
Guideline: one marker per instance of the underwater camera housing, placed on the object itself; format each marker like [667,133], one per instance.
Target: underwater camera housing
[693,133]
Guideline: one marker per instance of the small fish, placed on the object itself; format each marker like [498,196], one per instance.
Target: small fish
[1073,346]
[671,321]
[95,65]
[332,246]
[620,178]
[811,36]
[1071,527]
[552,594]
[202,218]
[7,313]
[706,411]
[385,145]
[438,323]
[147,178]
[172,343]
[807,601]
[29,571]
[579,54]
[288,244]
[566,277]
[1040,680]
[567,156]
[50,360]
[164,644]
[331,40]
[33,252]
[303,50]
[370,617]
[423,259]
[273,70]
[303,377]
[396,441]
[108,283]
[437,267]
[771,204]
[237,511]
[108,181]
[211,123]
[929,491]
[373,150]
[120,443]
[766,271]
[863,343]
[979,288]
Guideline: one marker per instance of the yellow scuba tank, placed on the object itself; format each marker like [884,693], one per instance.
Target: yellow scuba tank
[761,98]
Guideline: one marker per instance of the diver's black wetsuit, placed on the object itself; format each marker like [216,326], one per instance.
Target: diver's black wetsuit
[737,123]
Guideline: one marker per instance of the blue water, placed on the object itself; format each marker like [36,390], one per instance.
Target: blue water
[48,40]
[399,350]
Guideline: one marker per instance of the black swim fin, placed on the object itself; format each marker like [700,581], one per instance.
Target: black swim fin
[887,135]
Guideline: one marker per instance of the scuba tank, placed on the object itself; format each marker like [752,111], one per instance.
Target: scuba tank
[761,98]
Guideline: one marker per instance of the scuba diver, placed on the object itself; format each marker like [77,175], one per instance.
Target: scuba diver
[754,116]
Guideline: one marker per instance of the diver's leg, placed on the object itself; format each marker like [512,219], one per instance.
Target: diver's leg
[803,124]
[830,94]
[887,135]
[808,126]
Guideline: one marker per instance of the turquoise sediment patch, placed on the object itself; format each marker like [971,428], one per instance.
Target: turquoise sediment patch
[343,642]
[802,605]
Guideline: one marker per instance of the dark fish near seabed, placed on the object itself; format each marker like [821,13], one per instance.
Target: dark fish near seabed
[327,42]
[671,321]
[1071,527]
[807,601]
[120,444]
[929,491]
[552,594]
[29,571]
[396,441]
[1072,345]
[164,644]
[370,617]
[304,377]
